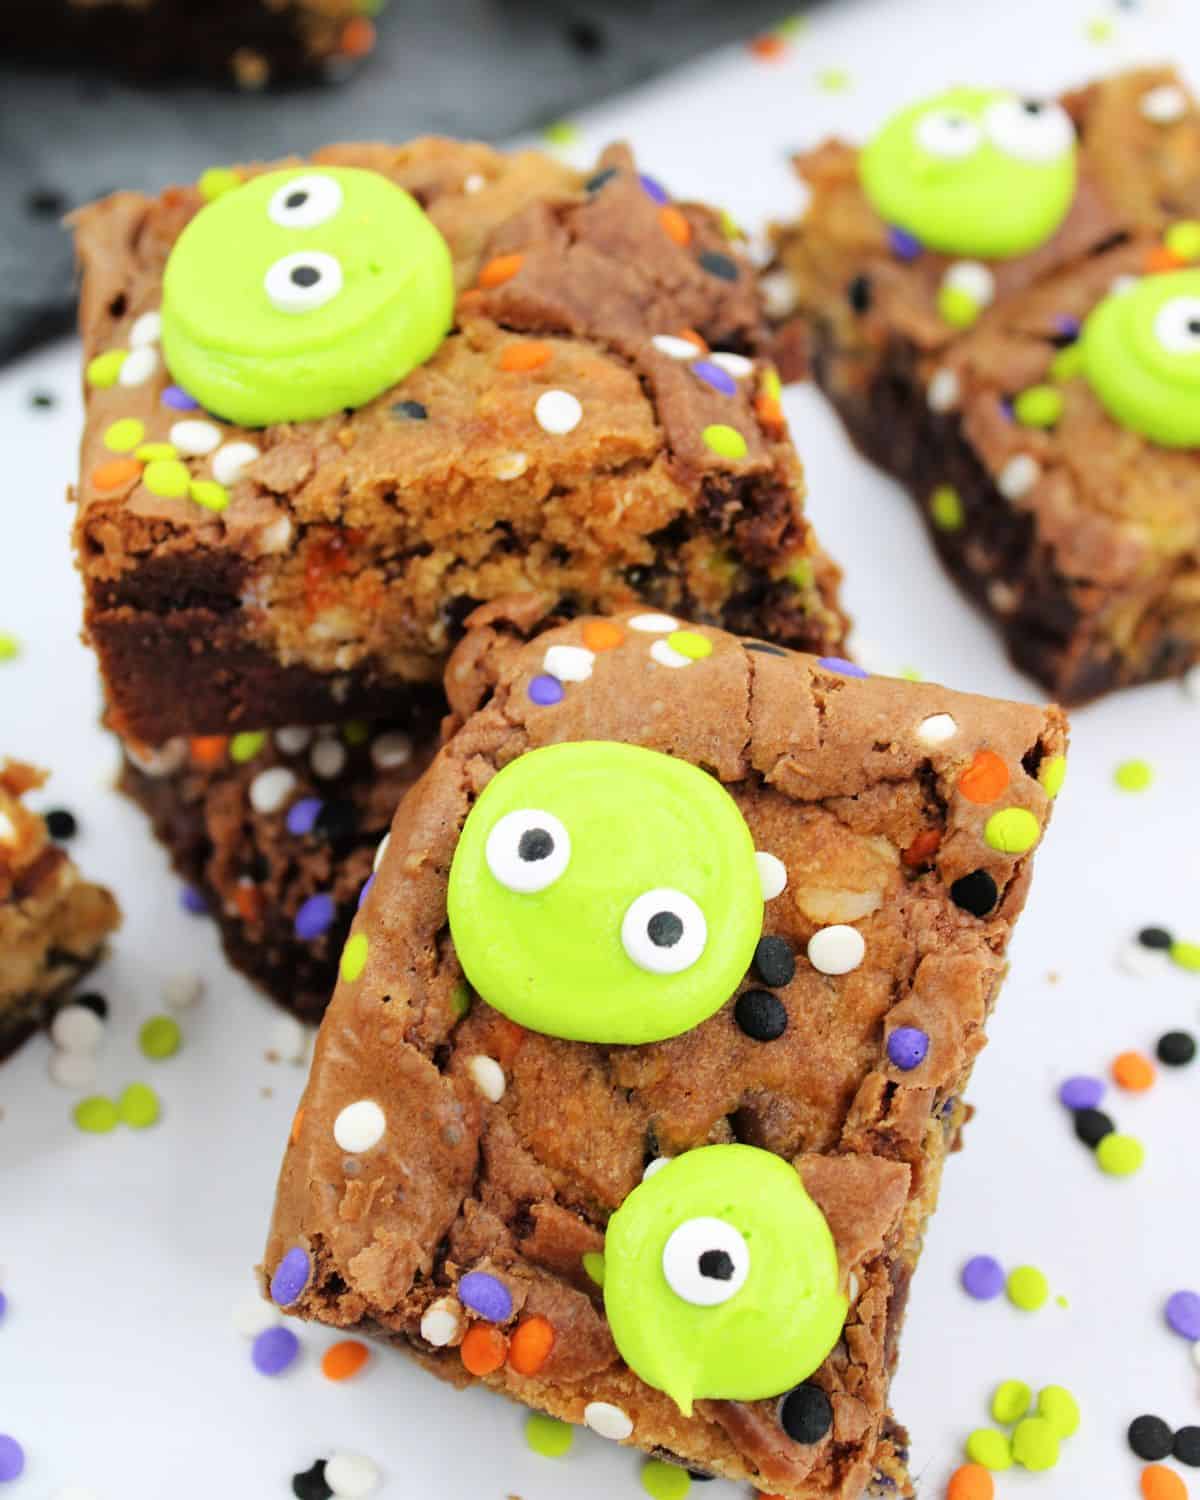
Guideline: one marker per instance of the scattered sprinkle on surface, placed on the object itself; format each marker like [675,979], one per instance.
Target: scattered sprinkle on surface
[1134,775]
[548,1436]
[1027,1288]
[160,1037]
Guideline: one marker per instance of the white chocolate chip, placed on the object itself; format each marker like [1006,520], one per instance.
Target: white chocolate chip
[1018,476]
[328,758]
[607,1421]
[569,663]
[836,950]
[76,1029]
[675,348]
[275,537]
[351,1476]
[230,459]
[772,874]
[359,1126]
[181,991]
[195,437]
[442,1322]
[146,330]
[139,366]
[653,624]
[972,278]
[488,1077]
[558,412]
[511,466]
[390,750]
[937,729]
[271,788]
[73,1070]
[944,391]
[1165,104]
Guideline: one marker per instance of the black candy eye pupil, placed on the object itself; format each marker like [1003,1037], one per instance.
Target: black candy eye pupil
[717,1265]
[1194,326]
[296,200]
[1032,107]
[535,844]
[664,929]
[305,275]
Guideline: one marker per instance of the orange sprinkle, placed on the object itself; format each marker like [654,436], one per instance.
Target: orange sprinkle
[499,269]
[985,778]
[923,846]
[971,1482]
[525,356]
[1163,258]
[693,338]
[483,1349]
[1161,1483]
[675,226]
[602,635]
[1133,1071]
[116,472]
[531,1345]
[207,749]
[249,901]
[769,411]
[343,1359]
[358,37]
[297,1125]
[469,300]
[768,47]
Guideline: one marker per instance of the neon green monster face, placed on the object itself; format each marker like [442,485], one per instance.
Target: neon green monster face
[974,172]
[1141,356]
[605,893]
[721,1278]
[304,292]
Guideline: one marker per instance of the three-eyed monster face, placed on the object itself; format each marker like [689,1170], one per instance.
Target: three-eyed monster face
[602,892]
[973,172]
[721,1278]
[304,292]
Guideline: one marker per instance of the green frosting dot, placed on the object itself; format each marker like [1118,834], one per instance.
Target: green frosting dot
[665,1481]
[354,958]
[548,1436]
[1120,1155]
[97,1115]
[246,745]
[104,369]
[1035,1444]
[1027,1289]
[1039,406]
[1013,830]
[1011,1401]
[989,1448]
[209,494]
[1134,775]
[724,440]
[167,477]
[138,1106]
[1052,773]
[593,1265]
[149,453]
[217,180]
[957,307]
[125,435]
[160,1037]
[946,508]
[1056,1405]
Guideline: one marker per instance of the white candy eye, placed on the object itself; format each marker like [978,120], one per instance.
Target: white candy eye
[528,850]
[1177,326]
[1029,129]
[305,202]
[664,931]
[948,133]
[706,1262]
[303,281]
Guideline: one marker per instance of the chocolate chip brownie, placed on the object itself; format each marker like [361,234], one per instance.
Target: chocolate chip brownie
[341,403]
[649,1040]
[1000,298]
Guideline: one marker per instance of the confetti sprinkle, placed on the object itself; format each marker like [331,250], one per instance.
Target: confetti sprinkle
[354,957]
[344,1359]
[315,916]
[1175,1049]
[990,1449]
[665,1481]
[724,441]
[1038,406]
[160,1037]
[96,1115]
[483,1349]
[1027,1288]
[983,1278]
[1035,1444]
[548,1436]
[1132,1071]
[558,412]
[836,950]
[1133,775]
[359,1126]
[138,1106]
[12,1458]
[488,1077]
[1120,1155]
[946,509]
[971,1482]
[1160,1483]
[1011,1401]
[1150,1437]
[607,1421]
[291,1277]
[10,646]
[1057,1406]
[1182,1313]
[77,1028]
[531,1344]
[351,1476]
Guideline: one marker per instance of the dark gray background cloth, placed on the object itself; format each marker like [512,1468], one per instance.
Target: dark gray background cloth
[484,68]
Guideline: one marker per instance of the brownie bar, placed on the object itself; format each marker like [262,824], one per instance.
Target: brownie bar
[1077,534]
[345,552]
[461,1161]
[279,834]
[53,924]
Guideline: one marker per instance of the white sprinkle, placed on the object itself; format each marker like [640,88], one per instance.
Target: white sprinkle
[139,367]
[475,183]
[73,1070]
[253,1315]
[1165,104]
[381,851]
[181,991]
[1141,962]
[146,330]
[163,761]
[973,278]
[558,412]
[488,1077]
[772,874]
[1191,683]
[511,466]
[778,293]
[230,459]
[360,1126]
[77,1029]
[944,391]
[1018,476]
[653,624]
[1121,284]
[569,663]
[936,729]
[667,656]
[675,348]
[328,758]
[656,1165]
[293,738]
[736,365]
[195,437]
[271,788]
[607,1420]
[391,749]
[351,1475]
[289,1039]
[442,1322]
[837,949]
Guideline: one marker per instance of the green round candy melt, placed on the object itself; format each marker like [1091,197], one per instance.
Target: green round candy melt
[721,1278]
[602,892]
[1011,1401]
[246,744]
[1012,830]
[548,1436]
[209,494]
[1035,1444]
[665,1481]
[990,1449]
[1039,406]
[124,435]
[304,292]
[138,1106]
[104,369]
[1056,1405]
[167,477]
[974,172]
[723,440]
[354,957]
[160,1037]
[97,1115]
[1134,775]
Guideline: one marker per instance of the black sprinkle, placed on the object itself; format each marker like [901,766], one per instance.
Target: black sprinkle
[775,961]
[975,893]
[413,411]
[1155,937]
[1186,1447]
[763,649]
[45,203]
[805,1414]
[587,37]
[94,1001]
[43,400]
[600,179]
[1176,1048]
[61,824]
[720,265]
[338,819]
[717,1265]
[311,1484]
[1150,1438]
[859,293]
[699,1477]
[1092,1125]
[761,1015]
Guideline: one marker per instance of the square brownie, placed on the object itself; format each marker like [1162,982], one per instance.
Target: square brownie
[584,414]
[968,333]
[650,1038]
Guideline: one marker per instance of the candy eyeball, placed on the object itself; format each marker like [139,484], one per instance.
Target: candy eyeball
[602,892]
[706,1261]
[303,281]
[948,133]
[304,202]
[1177,325]
[1029,129]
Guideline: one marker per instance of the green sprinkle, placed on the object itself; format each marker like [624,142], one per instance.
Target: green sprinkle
[354,957]
[217,180]
[149,453]
[246,745]
[834,80]
[10,646]
[1052,773]
[356,732]
[957,307]
[548,1436]
[138,1106]
[104,369]
[772,386]
[1011,1402]
[1039,406]
[801,574]
[160,1037]
[1012,830]
[125,435]
[209,494]
[561,133]
[730,228]
[460,999]
[1120,1155]
[665,1481]
[1035,1444]
[1186,955]
[97,1115]
[1183,239]
[1027,1288]
[1056,1405]
[723,440]
[946,508]
[990,1448]
[910,674]
[593,1264]
[1134,775]
[1067,363]
[167,477]
[1100,29]
[690,643]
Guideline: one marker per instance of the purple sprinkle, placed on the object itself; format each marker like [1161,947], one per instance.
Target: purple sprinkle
[3,1306]
[362,895]
[315,916]
[485,1295]
[906,246]
[274,1349]
[178,399]
[840,664]
[948,1107]
[1081,1092]
[1183,1315]
[907,1047]
[654,188]
[720,380]
[12,1457]
[302,816]
[1007,408]
[291,1276]
[983,1278]
[194,901]
[545,689]
[1066,327]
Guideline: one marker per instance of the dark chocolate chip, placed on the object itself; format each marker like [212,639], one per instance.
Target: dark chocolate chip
[1176,1048]
[61,824]
[1155,937]
[1092,1125]
[600,179]
[805,1414]
[761,1015]
[586,36]
[312,1484]
[775,961]
[859,294]
[1150,1438]
[45,203]
[338,819]
[411,411]
[94,1001]
[975,893]
[718,265]
[1186,1447]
